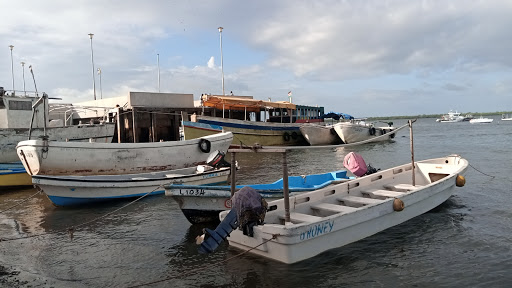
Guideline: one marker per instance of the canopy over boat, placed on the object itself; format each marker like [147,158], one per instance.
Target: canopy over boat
[243,103]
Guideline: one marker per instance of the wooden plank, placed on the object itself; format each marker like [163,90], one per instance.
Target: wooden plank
[401,187]
[360,200]
[382,193]
[333,208]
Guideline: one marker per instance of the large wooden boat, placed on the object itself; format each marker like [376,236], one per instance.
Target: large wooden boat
[357,131]
[317,134]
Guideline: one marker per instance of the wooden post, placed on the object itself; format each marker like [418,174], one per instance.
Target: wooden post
[233,173]
[412,153]
[118,124]
[152,117]
[285,190]
[134,126]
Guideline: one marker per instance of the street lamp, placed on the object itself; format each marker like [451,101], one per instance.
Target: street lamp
[101,90]
[12,70]
[92,60]
[23,68]
[221,61]
[158,65]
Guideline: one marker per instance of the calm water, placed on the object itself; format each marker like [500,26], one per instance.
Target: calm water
[466,242]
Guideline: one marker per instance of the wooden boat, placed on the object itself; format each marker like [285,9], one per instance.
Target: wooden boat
[41,157]
[17,111]
[337,215]
[480,120]
[247,133]
[202,204]
[13,177]
[357,131]
[320,134]
[76,190]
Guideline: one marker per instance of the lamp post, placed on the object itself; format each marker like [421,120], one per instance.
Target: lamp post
[92,60]
[23,69]
[221,60]
[158,65]
[101,90]
[12,70]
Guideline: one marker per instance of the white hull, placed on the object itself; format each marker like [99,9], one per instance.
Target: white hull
[480,120]
[73,190]
[69,158]
[319,134]
[9,137]
[316,226]
[353,132]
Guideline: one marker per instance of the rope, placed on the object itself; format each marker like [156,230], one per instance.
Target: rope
[205,267]
[25,200]
[481,171]
[71,230]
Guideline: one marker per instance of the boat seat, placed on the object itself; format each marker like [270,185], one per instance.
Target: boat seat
[382,193]
[333,208]
[401,187]
[301,217]
[359,200]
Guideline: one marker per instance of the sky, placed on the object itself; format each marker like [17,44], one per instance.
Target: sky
[364,58]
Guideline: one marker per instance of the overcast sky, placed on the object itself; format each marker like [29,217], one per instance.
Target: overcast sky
[364,58]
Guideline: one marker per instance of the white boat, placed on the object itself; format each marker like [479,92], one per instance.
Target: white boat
[77,190]
[451,117]
[481,120]
[317,134]
[40,157]
[357,131]
[341,214]
[16,114]
[506,117]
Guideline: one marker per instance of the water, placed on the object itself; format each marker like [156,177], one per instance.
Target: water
[464,242]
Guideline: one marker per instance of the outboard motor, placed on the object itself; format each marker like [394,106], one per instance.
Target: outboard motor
[216,159]
[355,163]
[249,210]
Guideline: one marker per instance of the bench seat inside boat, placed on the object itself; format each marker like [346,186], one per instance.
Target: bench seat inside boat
[296,217]
[382,193]
[333,208]
[359,200]
[401,187]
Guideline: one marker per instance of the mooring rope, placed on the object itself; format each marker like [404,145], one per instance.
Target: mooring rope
[71,230]
[23,201]
[206,267]
[481,171]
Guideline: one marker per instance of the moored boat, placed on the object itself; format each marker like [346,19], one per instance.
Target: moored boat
[481,120]
[451,117]
[317,134]
[202,204]
[357,131]
[77,190]
[41,157]
[335,216]
[14,177]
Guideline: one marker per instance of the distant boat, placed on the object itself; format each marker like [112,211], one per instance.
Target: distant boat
[506,117]
[338,215]
[358,130]
[451,117]
[480,120]
[317,134]
[55,158]
[202,204]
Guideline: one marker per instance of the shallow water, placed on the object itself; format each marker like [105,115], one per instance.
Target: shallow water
[464,242]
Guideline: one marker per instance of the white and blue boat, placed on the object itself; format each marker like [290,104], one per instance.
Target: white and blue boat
[79,190]
[200,203]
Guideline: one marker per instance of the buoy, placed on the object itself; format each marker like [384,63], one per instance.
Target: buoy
[398,205]
[460,181]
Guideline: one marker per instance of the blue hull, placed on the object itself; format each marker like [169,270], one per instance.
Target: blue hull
[74,201]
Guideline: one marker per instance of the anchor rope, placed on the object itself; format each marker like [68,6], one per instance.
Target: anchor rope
[70,230]
[481,171]
[205,267]
[23,201]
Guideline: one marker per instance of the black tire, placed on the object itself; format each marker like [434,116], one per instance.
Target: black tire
[205,145]
[295,135]
[372,131]
[286,136]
